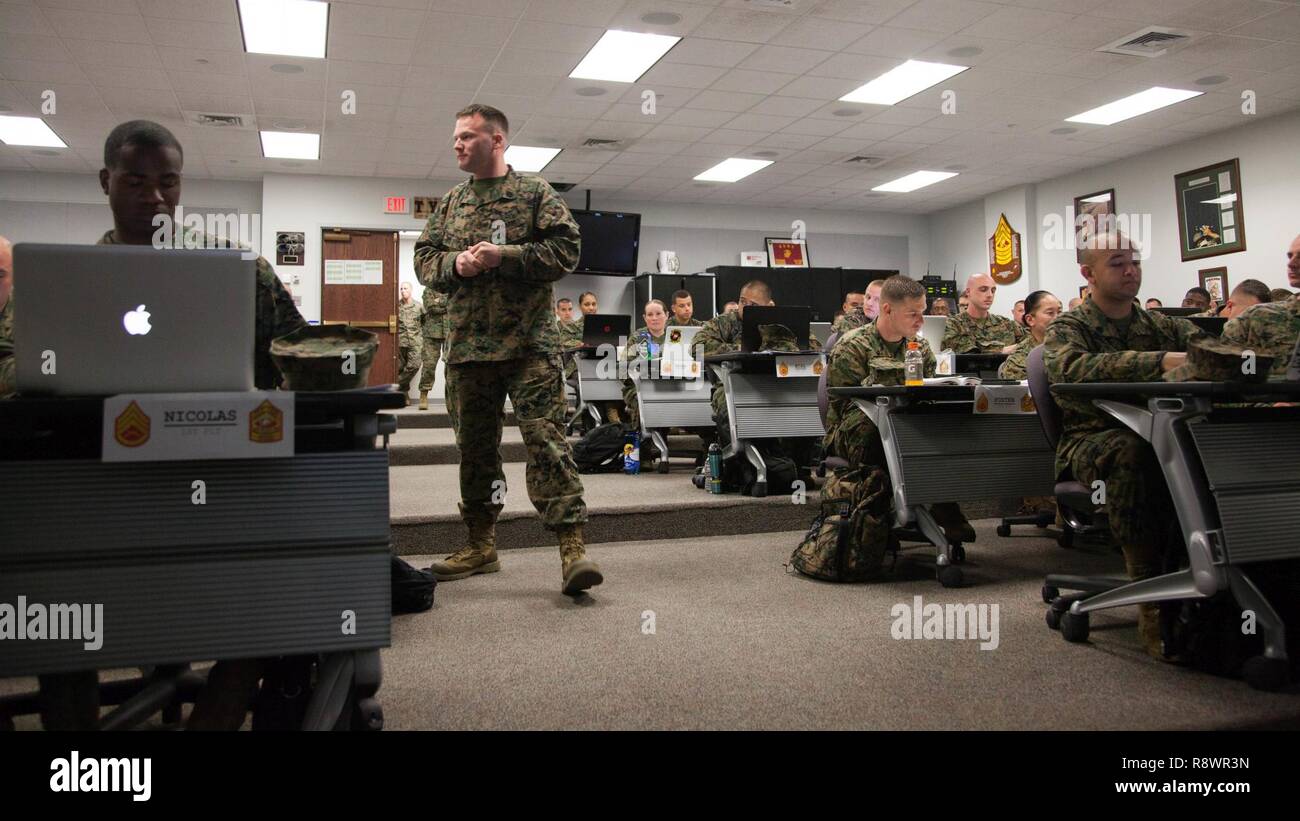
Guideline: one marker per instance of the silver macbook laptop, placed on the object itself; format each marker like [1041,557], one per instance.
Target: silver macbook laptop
[106,319]
[932,330]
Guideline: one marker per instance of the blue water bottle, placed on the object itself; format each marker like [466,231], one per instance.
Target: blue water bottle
[632,453]
[715,468]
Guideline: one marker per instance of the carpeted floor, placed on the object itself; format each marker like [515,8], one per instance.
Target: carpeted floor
[739,644]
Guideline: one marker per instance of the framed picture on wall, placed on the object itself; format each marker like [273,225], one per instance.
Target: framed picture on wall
[1090,215]
[1215,280]
[1210,216]
[787,253]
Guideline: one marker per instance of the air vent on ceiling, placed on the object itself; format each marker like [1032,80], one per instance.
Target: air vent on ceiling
[215,120]
[608,145]
[864,160]
[1151,41]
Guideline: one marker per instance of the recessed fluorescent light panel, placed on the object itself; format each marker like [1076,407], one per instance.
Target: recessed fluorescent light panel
[1134,105]
[285,145]
[902,82]
[732,169]
[911,182]
[28,131]
[529,158]
[623,56]
[293,27]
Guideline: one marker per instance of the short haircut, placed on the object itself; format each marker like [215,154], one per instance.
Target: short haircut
[970,280]
[1280,294]
[563,300]
[680,295]
[851,293]
[658,302]
[901,288]
[1024,302]
[144,133]
[494,117]
[1255,288]
[764,290]
[1101,245]
[1196,289]
[584,295]
[1158,303]
[875,283]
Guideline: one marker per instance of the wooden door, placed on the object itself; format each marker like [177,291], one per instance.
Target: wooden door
[360,295]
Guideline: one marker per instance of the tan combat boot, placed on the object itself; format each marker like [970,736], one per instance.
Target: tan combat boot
[479,557]
[578,571]
[424,400]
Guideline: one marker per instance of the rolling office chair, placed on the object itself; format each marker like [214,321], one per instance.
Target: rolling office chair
[1074,500]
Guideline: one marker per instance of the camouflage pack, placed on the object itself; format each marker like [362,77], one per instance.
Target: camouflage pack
[848,540]
[325,357]
[777,338]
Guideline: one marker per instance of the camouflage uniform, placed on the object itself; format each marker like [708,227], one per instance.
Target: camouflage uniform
[1270,329]
[853,319]
[1016,365]
[690,323]
[636,349]
[408,343]
[433,330]
[7,349]
[1084,345]
[570,338]
[503,340]
[964,333]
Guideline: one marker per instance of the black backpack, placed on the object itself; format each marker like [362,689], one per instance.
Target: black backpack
[412,588]
[600,450]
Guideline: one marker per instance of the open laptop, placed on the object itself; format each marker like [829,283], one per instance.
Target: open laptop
[106,319]
[797,318]
[601,329]
[932,330]
[1209,324]
[821,330]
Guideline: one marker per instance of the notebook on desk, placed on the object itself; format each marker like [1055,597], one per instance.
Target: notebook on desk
[107,319]
[797,318]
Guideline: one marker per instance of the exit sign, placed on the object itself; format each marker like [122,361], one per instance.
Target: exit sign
[397,205]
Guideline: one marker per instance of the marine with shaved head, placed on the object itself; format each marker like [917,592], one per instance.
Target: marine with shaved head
[975,330]
[1109,338]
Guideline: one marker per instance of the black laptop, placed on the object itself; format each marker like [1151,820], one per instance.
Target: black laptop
[603,329]
[1180,311]
[795,317]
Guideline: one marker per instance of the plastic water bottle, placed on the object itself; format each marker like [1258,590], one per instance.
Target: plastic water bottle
[632,453]
[715,468]
[913,365]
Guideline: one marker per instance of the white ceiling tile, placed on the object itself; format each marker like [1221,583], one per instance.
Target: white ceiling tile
[860,67]
[745,25]
[554,37]
[424,78]
[758,82]
[350,72]
[704,52]
[370,49]
[364,95]
[41,71]
[1016,23]
[725,100]
[33,47]
[1278,57]
[91,25]
[861,11]
[904,116]
[519,108]
[787,106]
[819,89]
[23,19]
[681,76]
[578,108]
[214,103]
[1141,11]
[888,41]
[403,24]
[196,82]
[488,8]
[947,16]
[790,141]
[733,136]
[781,58]
[294,109]
[632,113]
[816,128]
[698,117]
[760,122]
[605,130]
[683,133]
[184,33]
[464,29]
[140,103]
[1086,32]
[588,12]
[870,131]
[197,11]
[520,84]
[91,53]
[217,62]
[530,61]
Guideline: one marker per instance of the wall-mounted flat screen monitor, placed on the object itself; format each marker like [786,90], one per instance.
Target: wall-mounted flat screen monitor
[610,240]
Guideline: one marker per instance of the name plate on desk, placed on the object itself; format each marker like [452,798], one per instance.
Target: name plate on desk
[1014,399]
[163,427]
[683,367]
[802,365]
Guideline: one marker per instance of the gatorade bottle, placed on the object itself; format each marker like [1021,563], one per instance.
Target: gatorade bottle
[913,365]
[632,453]
[715,468]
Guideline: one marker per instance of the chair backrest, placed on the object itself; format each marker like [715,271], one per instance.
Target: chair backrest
[1049,413]
[823,400]
[1293,369]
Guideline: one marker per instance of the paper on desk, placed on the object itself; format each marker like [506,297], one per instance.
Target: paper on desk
[1011,399]
[163,427]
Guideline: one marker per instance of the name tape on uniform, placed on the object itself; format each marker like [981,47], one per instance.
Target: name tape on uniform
[163,427]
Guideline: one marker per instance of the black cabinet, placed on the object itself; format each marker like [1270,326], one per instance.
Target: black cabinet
[822,289]
[662,287]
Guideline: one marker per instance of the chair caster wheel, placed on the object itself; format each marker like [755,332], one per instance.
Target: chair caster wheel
[1074,626]
[760,490]
[662,467]
[1065,538]
[1050,593]
[1263,673]
[1053,619]
[957,554]
[950,575]
[369,715]
[1004,530]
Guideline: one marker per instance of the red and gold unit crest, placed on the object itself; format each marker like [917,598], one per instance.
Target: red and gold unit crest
[266,423]
[783,369]
[131,428]
[817,367]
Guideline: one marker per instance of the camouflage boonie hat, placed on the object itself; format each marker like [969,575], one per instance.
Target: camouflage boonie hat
[313,358]
[777,338]
[1212,360]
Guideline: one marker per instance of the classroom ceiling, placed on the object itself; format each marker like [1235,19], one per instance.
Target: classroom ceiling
[752,78]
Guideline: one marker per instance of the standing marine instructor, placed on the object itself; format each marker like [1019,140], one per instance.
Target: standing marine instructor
[494,245]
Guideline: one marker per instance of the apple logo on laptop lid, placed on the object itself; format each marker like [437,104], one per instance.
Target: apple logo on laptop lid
[137,322]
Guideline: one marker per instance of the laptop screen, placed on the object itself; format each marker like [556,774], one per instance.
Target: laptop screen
[601,329]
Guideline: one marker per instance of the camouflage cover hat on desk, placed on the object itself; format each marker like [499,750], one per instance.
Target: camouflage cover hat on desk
[316,357]
[1212,360]
[777,338]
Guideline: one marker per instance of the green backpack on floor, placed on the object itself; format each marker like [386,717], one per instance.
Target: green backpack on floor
[848,540]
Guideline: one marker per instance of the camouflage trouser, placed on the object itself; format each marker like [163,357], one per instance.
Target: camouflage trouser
[408,362]
[430,352]
[476,395]
[1138,506]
